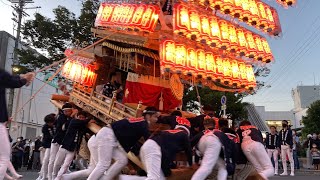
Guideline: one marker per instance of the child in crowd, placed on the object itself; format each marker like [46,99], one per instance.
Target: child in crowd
[315,153]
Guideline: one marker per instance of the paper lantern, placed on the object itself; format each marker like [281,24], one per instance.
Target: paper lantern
[234,44]
[201,57]
[215,33]
[195,24]
[107,13]
[167,55]
[227,6]
[180,57]
[150,18]
[215,4]
[271,24]
[224,29]
[205,29]
[243,74]
[235,73]
[243,45]
[268,54]
[245,14]
[253,8]
[237,10]
[260,50]
[227,71]
[181,21]
[251,78]
[89,75]
[128,15]
[116,15]
[192,61]
[219,68]
[210,65]
[262,22]
[138,16]
[251,44]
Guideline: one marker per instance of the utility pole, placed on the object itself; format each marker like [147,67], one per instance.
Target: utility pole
[19,6]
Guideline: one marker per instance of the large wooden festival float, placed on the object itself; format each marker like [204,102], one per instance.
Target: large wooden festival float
[160,46]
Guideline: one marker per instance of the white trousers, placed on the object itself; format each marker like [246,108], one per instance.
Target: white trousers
[257,155]
[45,164]
[274,153]
[62,162]
[287,151]
[93,161]
[53,153]
[4,150]
[108,149]
[210,147]
[309,158]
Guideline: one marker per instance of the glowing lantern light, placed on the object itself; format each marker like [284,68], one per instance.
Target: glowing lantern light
[259,45]
[150,18]
[245,10]
[116,15]
[167,55]
[224,29]
[251,78]
[251,44]
[214,32]
[227,6]
[124,13]
[253,8]
[201,57]
[287,3]
[181,19]
[138,16]
[271,25]
[180,57]
[195,24]
[205,28]
[216,4]
[268,55]
[234,45]
[243,74]
[243,45]
[227,71]
[107,13]
[263,15]
[237,11]
[235,73]
[211,66]
[192,61]
[219,68]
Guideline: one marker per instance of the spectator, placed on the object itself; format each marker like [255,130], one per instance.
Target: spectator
[308,144]
[295,149]
[26,153]
[111,86]
[315,153]
[17,153]
[36,164]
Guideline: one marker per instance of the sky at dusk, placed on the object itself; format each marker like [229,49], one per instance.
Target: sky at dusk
[296,52]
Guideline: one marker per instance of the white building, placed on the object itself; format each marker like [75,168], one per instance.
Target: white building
[303,97]
[30,118]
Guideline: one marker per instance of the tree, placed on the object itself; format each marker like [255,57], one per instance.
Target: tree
[53,36]
[312,120]
[210,100]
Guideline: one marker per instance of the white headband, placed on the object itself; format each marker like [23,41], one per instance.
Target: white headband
[183,127]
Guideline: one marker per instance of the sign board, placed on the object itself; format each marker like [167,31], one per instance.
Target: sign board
[223,100]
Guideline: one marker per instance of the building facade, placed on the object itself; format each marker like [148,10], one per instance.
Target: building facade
[30,119]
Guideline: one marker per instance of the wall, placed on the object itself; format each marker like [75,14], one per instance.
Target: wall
[303,96]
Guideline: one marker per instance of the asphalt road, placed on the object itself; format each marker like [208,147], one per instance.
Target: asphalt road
[310,176]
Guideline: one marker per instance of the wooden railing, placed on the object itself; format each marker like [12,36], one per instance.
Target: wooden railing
[104,108]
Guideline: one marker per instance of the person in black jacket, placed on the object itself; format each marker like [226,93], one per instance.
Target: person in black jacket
[8,81]
[253,148]
[286,145]
[48,131]
[120,134]
[70,144]
[272,145]
[160,150]
[61,124]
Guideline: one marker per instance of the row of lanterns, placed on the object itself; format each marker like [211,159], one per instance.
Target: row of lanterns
[79,72]
[219,33]
[180,58]
[142,17]
[253,12]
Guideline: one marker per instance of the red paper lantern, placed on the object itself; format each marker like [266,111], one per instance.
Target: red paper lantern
[235,73]
[219,68]
[262,22]
[150,18]
[243,45]
[195,24]
[106,15]
[215,34]
[138,16]
[210,65]
[251,78]
[192,62]
[243,74]
[181,21]
[201,57]
[227,6]
[167,55]
[116,15]
[234,44]
[245,14]
[268,54]
[205,28]
[227,71]
[225,35]
[260,50]
[253,8]
[251,44]
[180,57]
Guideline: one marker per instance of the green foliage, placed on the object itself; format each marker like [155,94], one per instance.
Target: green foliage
[53,36]
[210,100]
[312,120]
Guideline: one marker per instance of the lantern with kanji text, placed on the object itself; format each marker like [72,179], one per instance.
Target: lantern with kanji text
[227,6]
[201,58]
[260,50]
[252,48]
[180,57]
[150,18]
[243,74]
[227,71]
[234,44]
[138,16]
[251,78]
[262,22]
[224,29]
[192,62]
[215,33]
[235,73]
[181,21]
[195,24]
[268,55]
[219,68]
[253,8]
[205,29]
[167,55]
[243,45]
[210,65]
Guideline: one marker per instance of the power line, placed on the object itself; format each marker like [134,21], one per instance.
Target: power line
[5,3]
